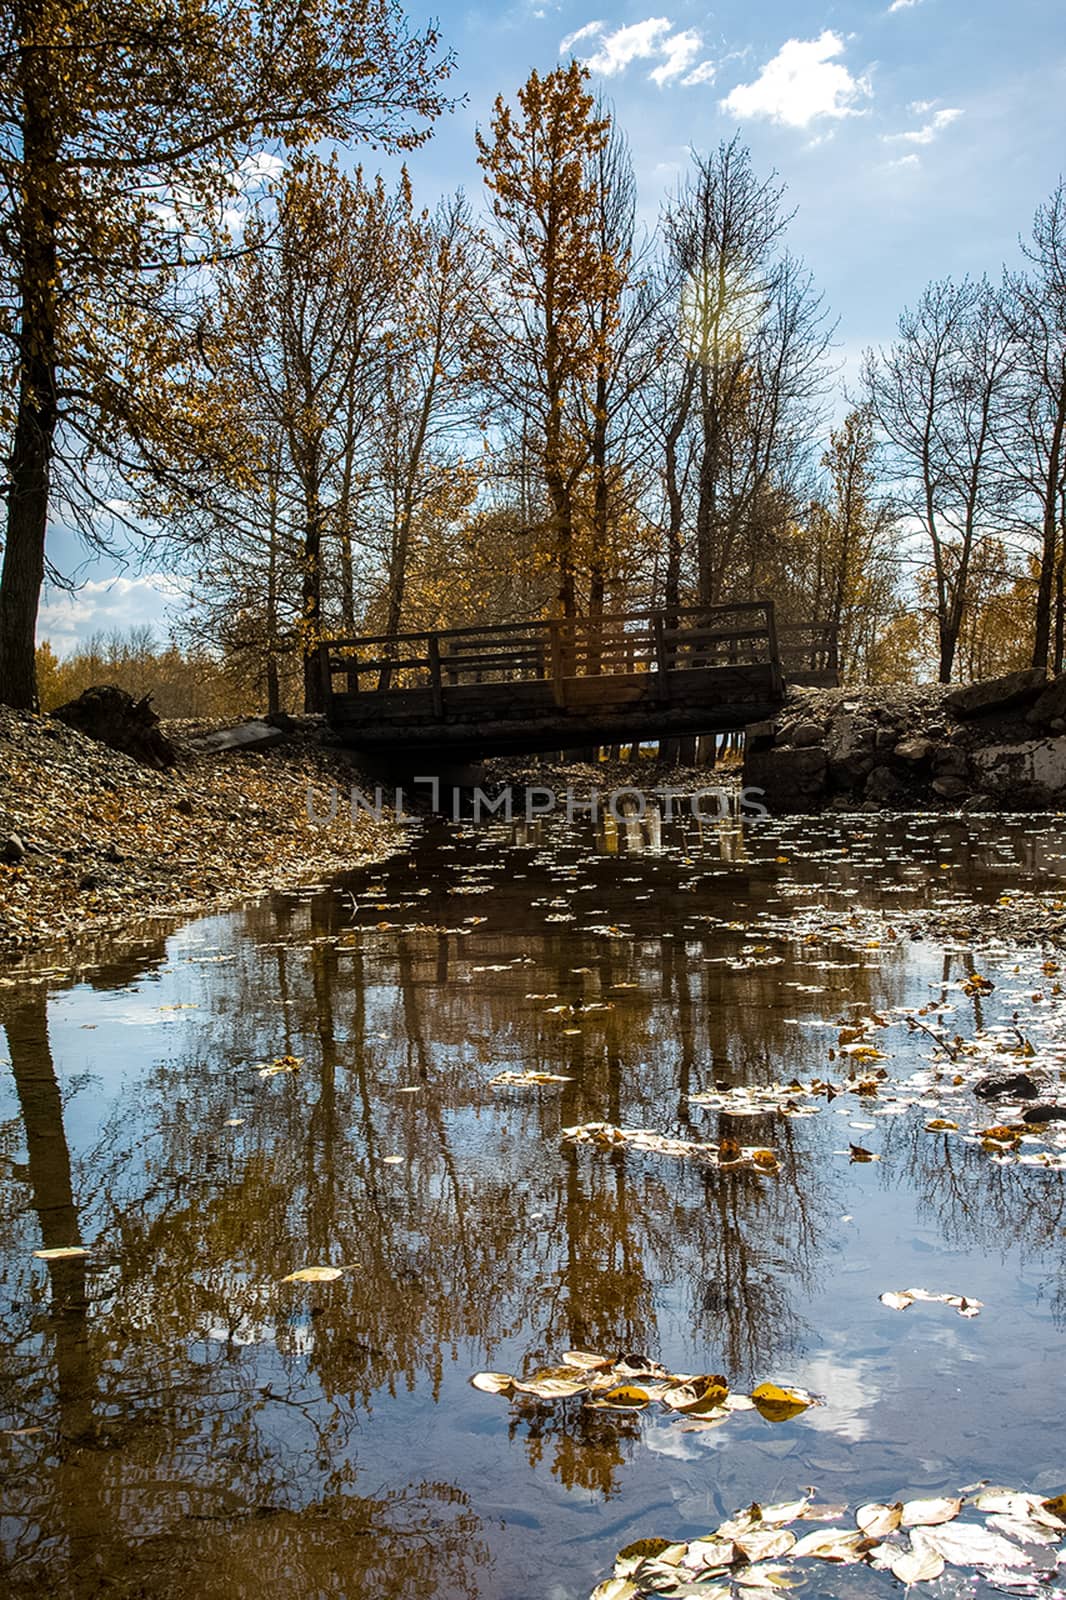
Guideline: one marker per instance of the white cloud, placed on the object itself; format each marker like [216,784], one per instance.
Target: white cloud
[929,130]
[587,32]
[654,39]
[905,161]
[902,5]
[706,72]
[679,52]
[69,617]
[638,40]
[802,82]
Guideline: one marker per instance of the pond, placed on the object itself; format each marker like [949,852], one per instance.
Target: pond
[307,1082]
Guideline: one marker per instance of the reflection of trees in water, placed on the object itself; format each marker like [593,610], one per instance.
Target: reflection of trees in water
[212,1391]
[157,1469]
[980,1205]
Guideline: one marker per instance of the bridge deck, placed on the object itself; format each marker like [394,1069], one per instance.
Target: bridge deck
[564,683]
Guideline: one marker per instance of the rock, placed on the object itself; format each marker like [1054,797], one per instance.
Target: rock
[978,803]
[1013,1086]
[787,779]
[1044,1114]
[12,850]
[1032,772]
[915,750]
[116,719]
[949,761]
[254,735]
[949,788]
[850,749]
[883,786]
[805,734]
[996,694]
[1050,704]
[758,735]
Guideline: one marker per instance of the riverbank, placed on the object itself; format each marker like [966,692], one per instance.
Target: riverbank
[92,842]
[997,745]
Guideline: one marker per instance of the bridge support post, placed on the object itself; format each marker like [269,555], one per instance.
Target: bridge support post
[435,684]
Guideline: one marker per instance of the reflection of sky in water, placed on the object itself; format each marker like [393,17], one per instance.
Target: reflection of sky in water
[491,1245]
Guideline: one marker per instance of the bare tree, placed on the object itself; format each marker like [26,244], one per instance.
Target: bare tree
[1035,305]
[938,397]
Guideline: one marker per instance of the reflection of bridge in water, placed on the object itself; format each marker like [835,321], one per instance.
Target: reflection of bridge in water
[570,682]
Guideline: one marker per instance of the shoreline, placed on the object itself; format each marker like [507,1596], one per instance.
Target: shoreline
[109,847]
[113,852]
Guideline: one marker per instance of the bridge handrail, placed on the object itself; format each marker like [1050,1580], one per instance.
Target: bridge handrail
[657,639]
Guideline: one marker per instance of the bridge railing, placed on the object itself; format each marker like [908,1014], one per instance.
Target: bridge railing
[809,646]
[555,650]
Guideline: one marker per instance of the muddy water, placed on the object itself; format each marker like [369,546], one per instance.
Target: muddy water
[179,1422]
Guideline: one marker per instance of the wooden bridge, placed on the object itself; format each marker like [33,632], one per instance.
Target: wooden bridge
[569,683]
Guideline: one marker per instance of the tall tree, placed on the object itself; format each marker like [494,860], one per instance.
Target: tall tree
[937,396]
[129,130]
[1036,312]
[747,373]
[539,170]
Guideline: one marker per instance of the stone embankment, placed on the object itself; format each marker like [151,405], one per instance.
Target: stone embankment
[999,745]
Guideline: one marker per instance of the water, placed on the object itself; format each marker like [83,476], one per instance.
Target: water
[180,1423]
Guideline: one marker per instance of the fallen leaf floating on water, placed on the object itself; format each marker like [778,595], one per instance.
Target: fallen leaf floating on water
[633,1383]
[729,1153]
[858,1153]
[62,1252]
[520,1078]
[493,1382]
[835,1544]
[879,1520]
[899,1300]
[272,1069]
[315,1275]
[779,1405]
[697,1394]
[927,1513]
[917,1566]
[740,1549]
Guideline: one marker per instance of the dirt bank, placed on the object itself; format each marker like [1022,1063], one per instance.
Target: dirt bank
[91,842]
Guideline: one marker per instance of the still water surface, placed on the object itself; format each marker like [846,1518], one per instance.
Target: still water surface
[180,1423]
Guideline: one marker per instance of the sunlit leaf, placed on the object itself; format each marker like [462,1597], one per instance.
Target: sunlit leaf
[777,1404]
[62,1252]
[624,1397]
[831,1544]
[969,1544]
[698,1394]
[927,1513]
[761,1544]
[493,1382]
[615,1589]
[878,1520]
[917,1566]
[314,1275]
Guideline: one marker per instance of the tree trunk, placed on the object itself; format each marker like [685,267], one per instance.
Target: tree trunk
[1045,590]
[35,423]
[311,609]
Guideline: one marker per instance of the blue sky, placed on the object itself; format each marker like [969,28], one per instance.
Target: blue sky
[916,138]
